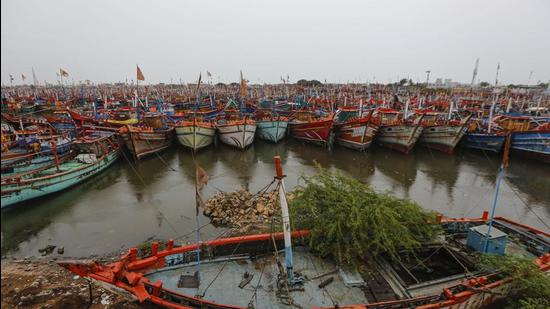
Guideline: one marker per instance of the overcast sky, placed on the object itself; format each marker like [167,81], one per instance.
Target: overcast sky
[337,41]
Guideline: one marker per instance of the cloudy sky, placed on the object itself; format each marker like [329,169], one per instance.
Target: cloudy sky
[336,41]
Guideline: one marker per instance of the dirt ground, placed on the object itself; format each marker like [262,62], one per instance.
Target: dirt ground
[44,284]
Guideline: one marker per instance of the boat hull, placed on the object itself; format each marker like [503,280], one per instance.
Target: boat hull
[237,135]
[15,193]
[142,144]
[314,131]
[534,144]
[443,138]
[356,134]
[272,131]
[399,137]
[484,141]
[195,137]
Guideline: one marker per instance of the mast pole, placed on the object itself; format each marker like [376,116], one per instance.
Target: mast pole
[500,175]
[286,218]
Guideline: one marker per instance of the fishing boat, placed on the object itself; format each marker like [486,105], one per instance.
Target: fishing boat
[353,130]
[484,137]
[234,130]
[311,127]
[195,133]
[149,137]
[440,133]
[276,270]
[397,133]
[94,153]
[270,127]
[530,135]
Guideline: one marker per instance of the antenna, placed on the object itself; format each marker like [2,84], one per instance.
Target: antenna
[475,72]
[496,77]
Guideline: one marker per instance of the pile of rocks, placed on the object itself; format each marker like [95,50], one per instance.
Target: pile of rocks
[241,208]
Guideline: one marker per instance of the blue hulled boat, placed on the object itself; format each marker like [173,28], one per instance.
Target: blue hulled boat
[485,141]
[534,144]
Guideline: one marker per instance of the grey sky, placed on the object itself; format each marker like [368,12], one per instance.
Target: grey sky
[332,40]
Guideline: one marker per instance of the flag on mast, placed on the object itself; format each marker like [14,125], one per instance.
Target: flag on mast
[23,77]
[208,73]
[139,74]
[11,78]
[63,73]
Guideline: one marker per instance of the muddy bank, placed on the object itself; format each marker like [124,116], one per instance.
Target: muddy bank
[44,284]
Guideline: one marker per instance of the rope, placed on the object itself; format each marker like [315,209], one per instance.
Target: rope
[143,182]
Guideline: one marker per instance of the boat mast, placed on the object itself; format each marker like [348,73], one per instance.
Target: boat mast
[500,175]
[286,219]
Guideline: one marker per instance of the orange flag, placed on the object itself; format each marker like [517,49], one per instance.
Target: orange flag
[201,178]
[139,74]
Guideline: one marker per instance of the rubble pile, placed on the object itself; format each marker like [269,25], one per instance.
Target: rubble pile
[241,208]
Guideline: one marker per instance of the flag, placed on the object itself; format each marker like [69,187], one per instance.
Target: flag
[63,73]
[139,74]
[201,178]
[208,73]
[23,77]
[243,86]
[11,78]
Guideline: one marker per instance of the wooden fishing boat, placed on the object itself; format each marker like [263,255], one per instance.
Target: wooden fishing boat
[236,131]
[195,133]
[353,130]
[95,152]
[530,135]
[151,136]
[442,134]
[534,143]
[270,127]
[397,133]
[307,126]
[483,137]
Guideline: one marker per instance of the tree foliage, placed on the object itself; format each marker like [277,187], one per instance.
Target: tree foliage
[348,219]
[530,287]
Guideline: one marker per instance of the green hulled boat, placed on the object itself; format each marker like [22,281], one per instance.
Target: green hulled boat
[95,152]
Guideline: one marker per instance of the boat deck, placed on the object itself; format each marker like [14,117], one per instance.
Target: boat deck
[225,288]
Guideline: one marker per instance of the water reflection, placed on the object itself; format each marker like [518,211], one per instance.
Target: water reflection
[118,208]
[401,168]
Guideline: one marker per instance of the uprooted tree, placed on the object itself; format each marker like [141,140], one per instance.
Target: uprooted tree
[348,219]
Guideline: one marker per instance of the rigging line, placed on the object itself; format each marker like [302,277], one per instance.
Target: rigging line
[221,269]
[158,155]
[517,195]
[525,203]
[143,182]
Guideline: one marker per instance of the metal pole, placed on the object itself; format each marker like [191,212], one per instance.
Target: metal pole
[286,218]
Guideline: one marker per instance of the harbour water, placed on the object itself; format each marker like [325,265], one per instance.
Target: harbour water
[134,202]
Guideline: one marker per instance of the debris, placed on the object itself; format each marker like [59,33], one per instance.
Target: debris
[247,277]
[326,282]
[47,250]
[241,208]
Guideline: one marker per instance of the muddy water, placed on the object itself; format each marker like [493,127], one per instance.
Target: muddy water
[132,203]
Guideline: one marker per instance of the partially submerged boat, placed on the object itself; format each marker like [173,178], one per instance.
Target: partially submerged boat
[94,153]
[276,270]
